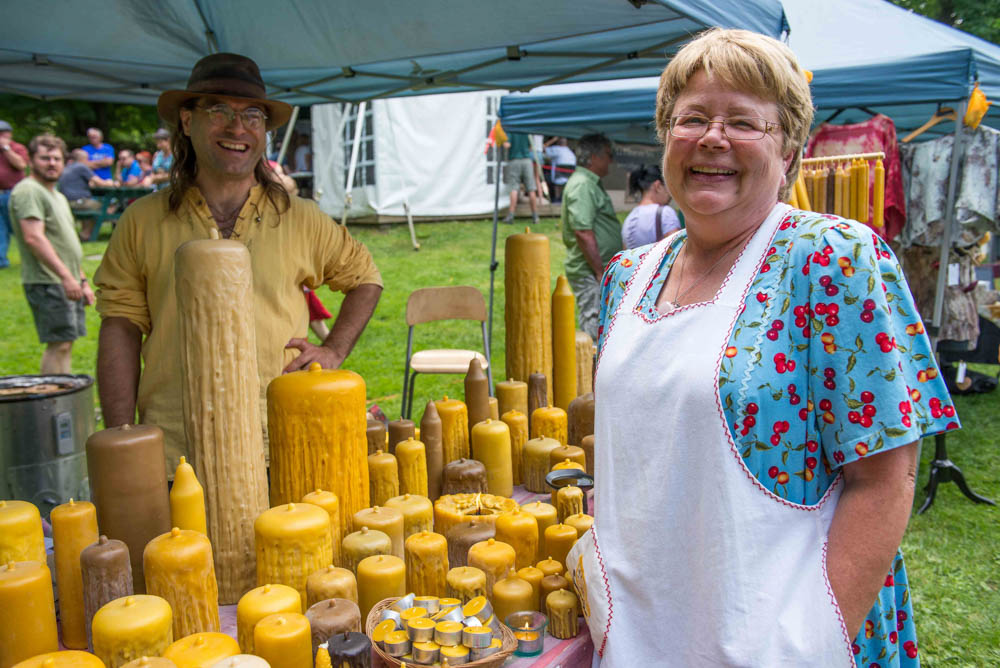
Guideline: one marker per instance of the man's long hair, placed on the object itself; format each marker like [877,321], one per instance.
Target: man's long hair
[184,171]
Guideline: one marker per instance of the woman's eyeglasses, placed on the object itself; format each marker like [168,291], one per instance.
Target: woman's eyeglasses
[738,128]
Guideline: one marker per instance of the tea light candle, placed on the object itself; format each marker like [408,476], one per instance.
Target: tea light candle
[512,395]
[494,558]
[448,634]
[569,501]
[512,594]
[404,602]
[551,583]
[383,576]
[106,574]
[550,566]
[382,629]
[331,617]
[387,520]
[375,434]
[536,463]
[479,609]
[580,418]
[282,639]
[465,583]
[559,538]
[66,659]
[292,541]
[418,511]
[329,502]
[383,477]
[187,500]
[533,576]
[178,567]
[563,609]
[463,508]
[413,612]
[426,652]
[421,629]
[529,629]
[538,394]
[545,515]
[74,527]
[364,543]
[21,537]
[520,531]
[242,661]
[397,643]
[332,582]
[455,654]
[399,431]
[411,456]
[454,428]
[464,476]
[587,445]
[259,603]
[477,393]
[201,649]
[549,422]
[131,627]
[427,563]
[430,434]
[477,637]
[27,611]
[432,604]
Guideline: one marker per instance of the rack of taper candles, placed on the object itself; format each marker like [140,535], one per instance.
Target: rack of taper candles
[529,629]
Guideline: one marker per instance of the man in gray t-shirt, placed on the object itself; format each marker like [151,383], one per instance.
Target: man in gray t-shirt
[75,183]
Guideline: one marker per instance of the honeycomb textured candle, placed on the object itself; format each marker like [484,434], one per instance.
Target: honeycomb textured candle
[74,527]
[563,344]
[292,541]
[329,502]
[27,612]
[528,311]
[178,568]
[21,537]
[317,434]
[454,428]
[427,563]
[132,627]
[257,604]
[221,405]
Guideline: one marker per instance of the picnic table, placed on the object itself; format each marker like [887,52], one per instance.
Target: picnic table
[113,201]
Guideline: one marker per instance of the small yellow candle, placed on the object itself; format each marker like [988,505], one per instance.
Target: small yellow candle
[520,531]
[512,395]
[292,541]
[21,536]
[364,543]
[417,510]
[257,604]
[517,422]
[563,344]
[581,522]
[331,582]
[187,500]
[383,477]
[387,520]
[569,501]
[550,422]
[427,563]
[284,641]
[74,527]
[512,594]
[178,567]
[411,456]
[878,195]
[454,428]
[329,502]
[550,566]
[70,658]
[533,576]
[494,558]
[563,609]
[466,583]
[201,649]
[536,463]
[491,445]
[559,538]
[379,577]
[545,516]
[27,611]
[132,627]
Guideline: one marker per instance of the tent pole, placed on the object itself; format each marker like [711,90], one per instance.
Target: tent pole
[359,123]
[949,221]
[289,126]
[493,254]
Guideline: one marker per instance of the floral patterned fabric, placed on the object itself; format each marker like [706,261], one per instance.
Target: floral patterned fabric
[827,363]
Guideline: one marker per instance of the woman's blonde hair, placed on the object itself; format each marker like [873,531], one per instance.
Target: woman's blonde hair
[749,62]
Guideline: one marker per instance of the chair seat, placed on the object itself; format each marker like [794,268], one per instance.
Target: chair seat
[444,360]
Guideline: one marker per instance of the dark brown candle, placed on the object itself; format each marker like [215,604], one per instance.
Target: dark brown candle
[551,583]
[400,430]
[107,575]
[430,434]
[580,417]
[587,444]
[350,650]
[477,394]
[376,435]
[463,536]
[128,483]
[464,476]
[537,393]
[330,617]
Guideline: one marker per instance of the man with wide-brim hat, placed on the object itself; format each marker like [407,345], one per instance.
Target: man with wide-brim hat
[220,179]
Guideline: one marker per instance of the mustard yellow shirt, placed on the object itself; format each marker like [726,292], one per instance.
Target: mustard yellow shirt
[136,281]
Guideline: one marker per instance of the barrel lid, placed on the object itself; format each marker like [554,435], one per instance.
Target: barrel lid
[28,387]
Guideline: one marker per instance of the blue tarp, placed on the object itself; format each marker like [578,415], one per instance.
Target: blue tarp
[863,53]
[313,51]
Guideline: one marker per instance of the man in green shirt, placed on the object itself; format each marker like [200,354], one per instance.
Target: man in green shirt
[51,255]
[590,229]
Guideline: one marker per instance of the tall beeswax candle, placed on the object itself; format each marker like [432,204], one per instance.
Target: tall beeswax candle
[517,423]
[283,640]
[132,627]
[563,344]
[454,428]
[21,537]
[106,574]
[535,463]
[584,363]
[178,568]
[430,434]
[411,456]
[201,649]
[70,658]
[426,563]
[363,543]
[528,311]
[331,582]
[257,604]
[559,538]
[563,609]
[418,513]
[512,395]
[399,431]
[187,500]
[379,577]
[520,531]
[569,501]
[27,612]
[465,583]
[477,393]
[292,541]
[74,527]
[545,515]
[580,418]
[317,427]
[329,502]
[387,520]
[493,558]
[491,446]
[549,422]
[383,477]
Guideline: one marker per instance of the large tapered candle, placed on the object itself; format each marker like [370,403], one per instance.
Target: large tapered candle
[411,457]
[520,531]
[559,538]
[477,393]
[283,640]
[329,502]
[178,568]
[383,477]
[363,543]
[464,476]
[330,617]
[581,522]
[533,576]
[545,515]
[27,612]
[563,610]
[549,422]
[201,649]
[132,627]
[494,558]
[528,311]
[491,446]
[74,527]
[375,435]
[512,395]
[187,500]
[584,362]
[70,658]
[317,427]
[426,563]
[580,418]
[21,536]
[535,463]
[399,431]
[517,423]
[106,573]
[387,520]
[458,508]
[379,577]
[464,535]
[292,540]
[465,583]
[430,434]
[128,484]
[257,604]
[563,344]
[512,594]
[537,396]
[418,513]
[331,582]
[454,428]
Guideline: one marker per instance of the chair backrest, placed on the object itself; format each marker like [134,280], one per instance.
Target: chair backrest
[459,302]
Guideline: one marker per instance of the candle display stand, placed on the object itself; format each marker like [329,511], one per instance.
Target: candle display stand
[564,477]
[509,642]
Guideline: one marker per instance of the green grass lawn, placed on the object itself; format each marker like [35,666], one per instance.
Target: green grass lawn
[952,551]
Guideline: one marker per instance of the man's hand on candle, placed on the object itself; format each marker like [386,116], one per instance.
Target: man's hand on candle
[327,357]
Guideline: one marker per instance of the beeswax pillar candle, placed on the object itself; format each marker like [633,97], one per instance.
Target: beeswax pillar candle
[580,418]
[316,427]
[383,477]
[520,531]
[187,500]
[563,610]
[375,435]
[551,583]
[559,538]
[379,577]
[537,396]
[284,641]
[411,457]
[399,431]
[331,582]
[568,452]
[106,573]
[70,658]
[257,604]
[528,311]
[545,515]
[517,423]
[533,576]
[549,422]
[454,428]
[21,536]
[512,594]
[128,485]
[563,344]
[329,502]
[430,434]
[132,627]
[512,395]
[491,446]
[350,650]
[494,408]
[494,558]
[550,566]
[292,541]
[587,445]
[459,508]
[178,568]
[535,463]
[426,563]
[330,617]
[581,522]
[220,391]
[363,543]
[477,393]
[27,611]
[201,649]
[74,527]
[418,512]
[465,583]
[387,520]
[464,476]
[584,362]
[464,535]
[569,501]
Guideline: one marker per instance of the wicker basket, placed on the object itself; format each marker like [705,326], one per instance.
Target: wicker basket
[494,661]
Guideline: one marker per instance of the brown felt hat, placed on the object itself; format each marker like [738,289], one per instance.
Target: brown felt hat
[226,75]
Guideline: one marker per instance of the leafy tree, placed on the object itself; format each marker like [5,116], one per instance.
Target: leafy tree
[977,17]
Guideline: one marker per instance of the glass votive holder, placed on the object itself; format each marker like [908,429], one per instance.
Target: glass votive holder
[529,629]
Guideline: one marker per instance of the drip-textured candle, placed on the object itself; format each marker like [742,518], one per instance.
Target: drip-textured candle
[545,515]
[70,658]
[464,476]
[584,362]
[331,582]
[512,395]
[106,574]
[132,627]
[292,541]
[411,456]
[464,535]
[375,435]
[418,512]
[520,531]
[563,609]
[491,446]
[563,344]
[549,422]
[187,500]
[387,520]
[587,445]
[528,310]
[454,428]
[458,508]
[379,577]
[580,418]
[284,641]
[21,537]
[535,463]
[430,434]
[329,502]
[512,594]
[559,538]
[220,391]
[494,558]
[178,568]
[427,563]
[477,393]
[581,522]
[350,650]
[533,576]
[363,543]
[201,649]
[74,527]
[517,422]
[257,604]
[27,611]
[399,431]
[383,477]
[569,501]
[330,617]
[465,583]
[537,395]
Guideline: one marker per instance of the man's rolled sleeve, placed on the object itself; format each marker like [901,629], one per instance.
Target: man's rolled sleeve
[121,288]
[349,263]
